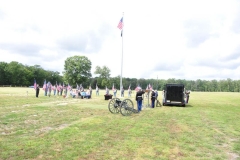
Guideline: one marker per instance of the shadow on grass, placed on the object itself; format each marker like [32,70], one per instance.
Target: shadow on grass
[172,105]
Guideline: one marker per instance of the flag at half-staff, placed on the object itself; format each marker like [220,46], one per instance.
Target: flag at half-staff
[120,26]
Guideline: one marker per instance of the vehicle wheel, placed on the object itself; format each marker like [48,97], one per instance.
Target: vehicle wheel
[114,105]
[126,107]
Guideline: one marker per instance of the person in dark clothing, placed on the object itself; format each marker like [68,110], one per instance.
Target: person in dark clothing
[187,96]
[139,99]
[153,97]
[122,92]
[37,90]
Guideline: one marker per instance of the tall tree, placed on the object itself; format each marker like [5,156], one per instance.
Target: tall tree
[15,73]
[104,75]
[3,77]
[77,69]
[103,72]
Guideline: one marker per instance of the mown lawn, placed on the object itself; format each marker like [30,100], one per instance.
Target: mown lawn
[57,128]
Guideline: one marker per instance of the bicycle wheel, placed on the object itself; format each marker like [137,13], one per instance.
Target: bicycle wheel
[114,105]
[126,107]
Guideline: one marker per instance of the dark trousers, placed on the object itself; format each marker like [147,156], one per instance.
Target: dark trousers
[139,104]
[37,93]
[153,103]
[187,99]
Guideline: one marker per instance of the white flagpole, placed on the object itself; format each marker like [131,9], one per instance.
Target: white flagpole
[122,61]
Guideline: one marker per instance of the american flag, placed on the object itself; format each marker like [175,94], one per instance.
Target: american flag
[44,85]
[49,86]
[59,87]
[149,87]
[69,87]
[120,24]
[81,87]
[137,88]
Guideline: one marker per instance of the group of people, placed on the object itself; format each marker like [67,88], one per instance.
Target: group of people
[64,90]
[75,93]
[122,92]
[139,97]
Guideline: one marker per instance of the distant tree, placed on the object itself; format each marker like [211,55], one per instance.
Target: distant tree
[103,72]
[15,73]
[3,76]
[103,76]
[77,69]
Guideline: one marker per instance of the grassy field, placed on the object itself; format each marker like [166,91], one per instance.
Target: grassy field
[57,128]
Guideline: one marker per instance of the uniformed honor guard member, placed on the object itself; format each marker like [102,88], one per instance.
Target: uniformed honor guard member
[153,97]
[139,99]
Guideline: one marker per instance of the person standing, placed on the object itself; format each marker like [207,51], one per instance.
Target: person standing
[49,89]
[54,89]
[139,99]
[90,90]
[46,90]
[153,98]
[61,90]
[122,92]
[156,94]
[129,92]
[97,91]
[107,91]
[187,96]
[65,91]
[58,89]
[115,92]
[37,90]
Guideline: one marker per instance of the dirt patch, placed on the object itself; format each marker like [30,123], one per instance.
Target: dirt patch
[26,105]
[62,126]
[31,121]
[43,130]
[233,156]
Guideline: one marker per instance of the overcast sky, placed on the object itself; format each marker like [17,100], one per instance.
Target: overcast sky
[187,39]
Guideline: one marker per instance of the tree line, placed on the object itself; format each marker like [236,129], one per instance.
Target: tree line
[77,70]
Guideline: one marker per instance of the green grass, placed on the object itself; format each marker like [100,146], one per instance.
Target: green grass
[57,128]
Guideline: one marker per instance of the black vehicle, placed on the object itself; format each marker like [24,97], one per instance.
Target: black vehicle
[174,94]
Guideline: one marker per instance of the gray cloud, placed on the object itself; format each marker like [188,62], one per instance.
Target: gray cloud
[197,32]
[218,63]
[87,42]
[27,49]
[233,56]
[167,66]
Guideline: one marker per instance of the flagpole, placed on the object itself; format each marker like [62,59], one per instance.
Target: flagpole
[121,62]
